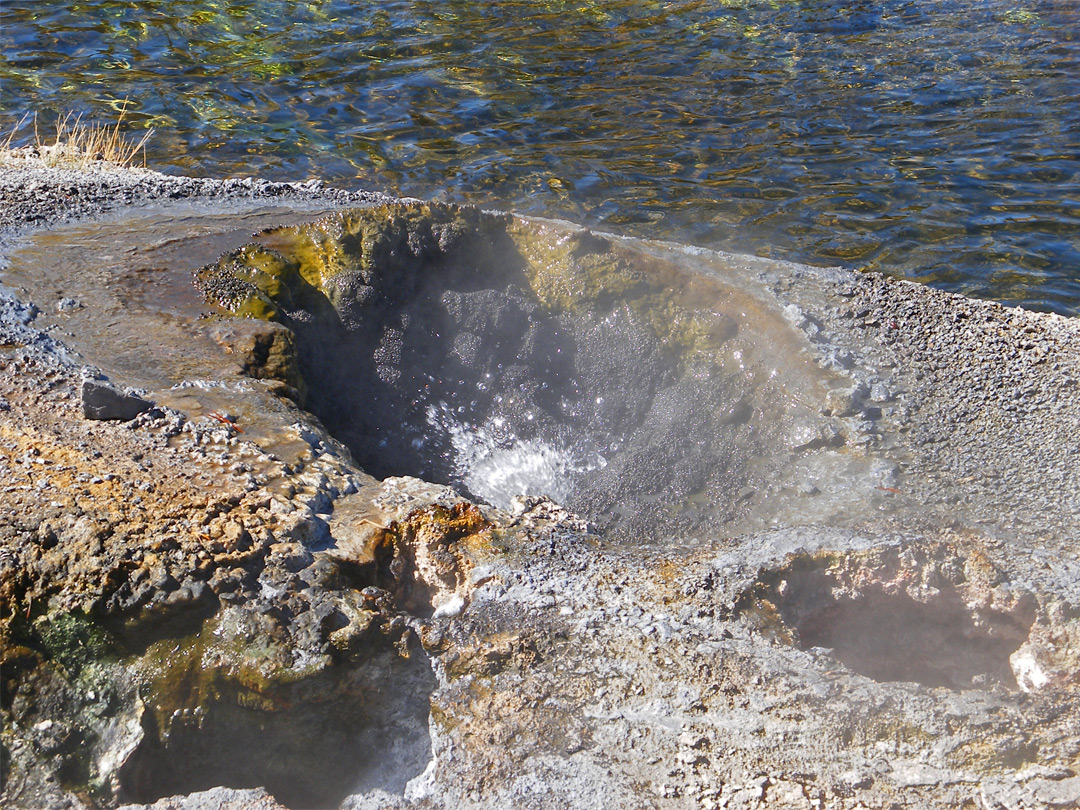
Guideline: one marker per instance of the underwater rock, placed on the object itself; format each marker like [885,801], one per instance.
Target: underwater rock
[267,351]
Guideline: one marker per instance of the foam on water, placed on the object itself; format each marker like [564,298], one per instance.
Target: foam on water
[494,464]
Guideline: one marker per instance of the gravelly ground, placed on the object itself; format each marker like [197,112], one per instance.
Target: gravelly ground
[580,674]
[38,195]
[994,400]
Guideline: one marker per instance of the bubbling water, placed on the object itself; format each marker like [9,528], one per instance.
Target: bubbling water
[494,464]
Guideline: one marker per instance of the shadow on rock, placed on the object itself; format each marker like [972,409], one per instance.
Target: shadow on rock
[309,739]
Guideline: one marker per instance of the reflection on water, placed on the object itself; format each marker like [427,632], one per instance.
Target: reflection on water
[935,140]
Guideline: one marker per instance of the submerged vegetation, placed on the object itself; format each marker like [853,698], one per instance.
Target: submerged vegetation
[78,144]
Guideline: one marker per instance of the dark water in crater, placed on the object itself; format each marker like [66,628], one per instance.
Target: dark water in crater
[938,141]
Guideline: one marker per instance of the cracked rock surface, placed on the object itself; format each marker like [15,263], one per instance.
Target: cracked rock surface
[214,604]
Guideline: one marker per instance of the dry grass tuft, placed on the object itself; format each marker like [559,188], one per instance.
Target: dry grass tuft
[78,145]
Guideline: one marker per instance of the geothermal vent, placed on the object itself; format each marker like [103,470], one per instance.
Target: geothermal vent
[508,357]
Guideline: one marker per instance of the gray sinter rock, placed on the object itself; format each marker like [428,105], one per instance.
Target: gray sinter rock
[821,552]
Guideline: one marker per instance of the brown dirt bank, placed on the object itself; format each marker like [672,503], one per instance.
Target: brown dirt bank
[191,611]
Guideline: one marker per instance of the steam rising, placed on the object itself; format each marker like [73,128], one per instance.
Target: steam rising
[650,394]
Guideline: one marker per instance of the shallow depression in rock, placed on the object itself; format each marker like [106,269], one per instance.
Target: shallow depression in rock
[215,716]
[919,616]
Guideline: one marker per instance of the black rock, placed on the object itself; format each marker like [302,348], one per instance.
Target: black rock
[101,400]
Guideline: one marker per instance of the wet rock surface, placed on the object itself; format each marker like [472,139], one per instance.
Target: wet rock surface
[477,350]
[216,604]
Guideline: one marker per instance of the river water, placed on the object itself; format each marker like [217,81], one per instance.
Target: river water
[936,140]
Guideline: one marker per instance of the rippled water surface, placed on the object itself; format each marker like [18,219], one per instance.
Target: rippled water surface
[935,140]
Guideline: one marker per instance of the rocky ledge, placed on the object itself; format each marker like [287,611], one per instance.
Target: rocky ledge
[815,545]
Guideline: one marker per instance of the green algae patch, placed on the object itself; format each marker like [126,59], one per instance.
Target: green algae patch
[324,270]
[574,272]
[231,660]
[68,689]
[345,265]
[578,272]
[256,282]
[75,641]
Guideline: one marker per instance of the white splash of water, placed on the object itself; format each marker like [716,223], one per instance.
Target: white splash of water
[492,463]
